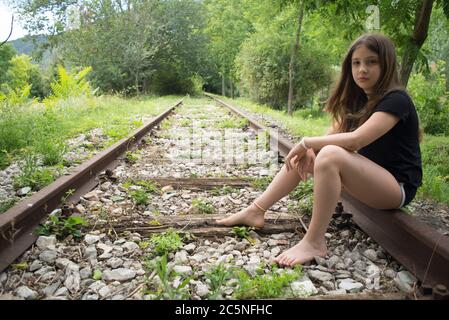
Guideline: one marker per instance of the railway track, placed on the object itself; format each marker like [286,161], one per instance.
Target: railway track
[181,173]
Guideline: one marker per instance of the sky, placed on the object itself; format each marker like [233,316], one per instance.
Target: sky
[5,23]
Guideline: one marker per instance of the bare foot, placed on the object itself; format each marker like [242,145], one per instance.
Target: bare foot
[301,253]
[250,216]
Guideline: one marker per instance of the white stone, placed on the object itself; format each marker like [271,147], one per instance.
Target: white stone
[350,285]
[303,288]
[183,269]
[44,242]
[120,274]
[91,239]
[26,293]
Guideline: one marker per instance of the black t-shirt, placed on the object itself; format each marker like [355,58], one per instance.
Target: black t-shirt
[398,150]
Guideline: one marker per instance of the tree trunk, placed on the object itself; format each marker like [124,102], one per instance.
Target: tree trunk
[447,73]
[223,86]
[422,19]
[291,71]
[232,88]
[137,83]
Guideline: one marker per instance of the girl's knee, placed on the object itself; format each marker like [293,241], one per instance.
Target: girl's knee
[330,155]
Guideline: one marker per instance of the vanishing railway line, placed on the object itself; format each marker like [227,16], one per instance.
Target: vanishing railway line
[190,165]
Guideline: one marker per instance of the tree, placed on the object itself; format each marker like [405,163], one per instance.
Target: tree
[7,51]
[291,69]
[227,27]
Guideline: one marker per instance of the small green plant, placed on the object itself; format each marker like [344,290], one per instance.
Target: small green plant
[166,242]
[185,123]
[67,195]
[98,275]
[131,157]
[62,226]
[202,206]
[165,289]
[223,191]
[52,153]
[270,285]
[261,183]
[5,159]
[239,123]
[217,275]
[243,233]
[32,176]
[7,204]
[304,189]
[140,197]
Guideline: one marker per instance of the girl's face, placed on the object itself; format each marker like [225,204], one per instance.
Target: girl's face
[365,68]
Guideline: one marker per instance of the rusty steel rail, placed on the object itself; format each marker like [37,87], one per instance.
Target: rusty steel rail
[421,249]
[18,224]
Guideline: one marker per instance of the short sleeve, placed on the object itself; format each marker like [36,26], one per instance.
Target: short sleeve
[397,103]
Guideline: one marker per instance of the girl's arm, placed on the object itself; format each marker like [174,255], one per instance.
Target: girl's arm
[375,127]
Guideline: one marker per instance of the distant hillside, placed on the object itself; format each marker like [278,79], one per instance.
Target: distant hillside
[26,45]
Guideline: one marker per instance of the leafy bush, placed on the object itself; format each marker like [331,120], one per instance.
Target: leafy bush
[69,84]
[435,154]
[431,100]
[263,64]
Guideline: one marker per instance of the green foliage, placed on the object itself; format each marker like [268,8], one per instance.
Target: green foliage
[7,52]
[243,233]
[18,74]
[166,242]
[203,206]
[239,123]
[264,59]
[5,159]
[131,157]
[149,186]
[98,275]
[140,197]
[218,275]
[32,176]
[62,226]
[261,183]
[223,191]
[165,288]
[304,189]
[431,100]
[69,84]
[435,152]
[271,285]
[5,205]
[52,151]
[14,97]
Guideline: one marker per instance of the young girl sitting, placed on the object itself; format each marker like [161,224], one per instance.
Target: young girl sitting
[371,151]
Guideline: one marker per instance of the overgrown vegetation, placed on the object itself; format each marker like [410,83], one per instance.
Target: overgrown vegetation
[262,286]
[202,206]
[62,226]
[166,242]
[164,288]
[243,233]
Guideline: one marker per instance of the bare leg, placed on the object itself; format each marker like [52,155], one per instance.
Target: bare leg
[283,183]
[361,177]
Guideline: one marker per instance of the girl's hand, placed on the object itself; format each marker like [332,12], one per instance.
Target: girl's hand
[297,153]
[306,164]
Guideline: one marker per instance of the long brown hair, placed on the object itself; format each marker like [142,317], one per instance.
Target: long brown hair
[348,103]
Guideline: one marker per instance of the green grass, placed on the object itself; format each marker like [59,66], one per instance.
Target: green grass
[435,157]
[38,127]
